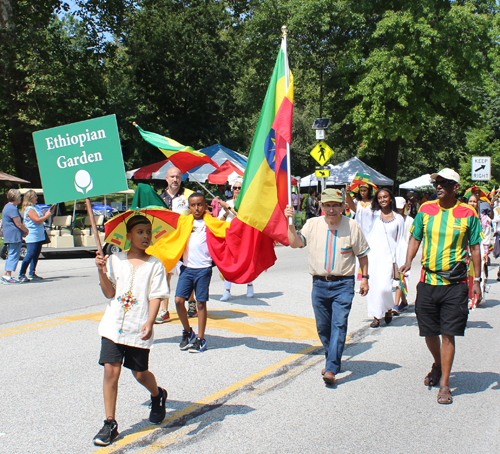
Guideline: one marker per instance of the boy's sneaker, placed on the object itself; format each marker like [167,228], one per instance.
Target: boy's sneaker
[226,296]
[7,280]
[192,311]
[107,434]
[162,317]
[402,306]
[187,339]
[199,345]
[158,403]
[23,279]
[34,277]
[249,291]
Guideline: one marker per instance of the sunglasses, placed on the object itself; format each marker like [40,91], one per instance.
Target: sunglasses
[237,188]
[443,183]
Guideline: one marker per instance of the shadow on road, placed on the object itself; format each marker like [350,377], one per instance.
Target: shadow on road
[244,301]
[214,414]
[474,382]
[219,342]
[362,369]
[478,324]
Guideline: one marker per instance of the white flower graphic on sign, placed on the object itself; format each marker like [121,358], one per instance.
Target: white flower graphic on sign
[83,181]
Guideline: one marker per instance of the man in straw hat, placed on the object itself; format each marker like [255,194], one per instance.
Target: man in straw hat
[333,242]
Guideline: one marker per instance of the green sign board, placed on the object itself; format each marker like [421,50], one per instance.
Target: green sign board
[80,160]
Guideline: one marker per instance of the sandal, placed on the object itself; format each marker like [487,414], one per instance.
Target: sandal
[444,395]
[433,376]
[375,323]
[388,317]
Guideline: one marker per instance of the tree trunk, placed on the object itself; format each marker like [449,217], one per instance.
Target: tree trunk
[391,156]
[5,13]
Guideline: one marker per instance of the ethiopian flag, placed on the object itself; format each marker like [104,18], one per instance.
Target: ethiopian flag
[264,192]
[181,156]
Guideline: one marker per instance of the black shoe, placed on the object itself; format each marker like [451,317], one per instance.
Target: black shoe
[187,339]
[157,414]
[388,317]
[107,434]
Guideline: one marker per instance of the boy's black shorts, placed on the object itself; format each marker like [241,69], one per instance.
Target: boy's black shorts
[442,309]
[136,359]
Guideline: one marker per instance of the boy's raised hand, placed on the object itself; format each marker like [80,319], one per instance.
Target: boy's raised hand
[100,262]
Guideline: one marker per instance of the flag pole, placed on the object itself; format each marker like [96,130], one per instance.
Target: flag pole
[284,31]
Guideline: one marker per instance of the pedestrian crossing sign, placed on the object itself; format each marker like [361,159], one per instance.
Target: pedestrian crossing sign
[322,153]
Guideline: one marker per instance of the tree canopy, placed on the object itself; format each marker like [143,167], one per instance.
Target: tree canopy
[410,86]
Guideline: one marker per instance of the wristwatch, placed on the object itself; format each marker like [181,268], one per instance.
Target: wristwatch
[477,279]
[365,276]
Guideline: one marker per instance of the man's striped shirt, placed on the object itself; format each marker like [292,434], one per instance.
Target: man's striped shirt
[446,235]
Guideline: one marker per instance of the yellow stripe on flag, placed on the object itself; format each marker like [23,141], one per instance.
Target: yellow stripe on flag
[253,201]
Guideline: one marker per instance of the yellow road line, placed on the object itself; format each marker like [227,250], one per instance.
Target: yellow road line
[252,323]
[172,438]
[210,400]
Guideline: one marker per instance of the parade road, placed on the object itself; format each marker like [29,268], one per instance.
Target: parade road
[258,387]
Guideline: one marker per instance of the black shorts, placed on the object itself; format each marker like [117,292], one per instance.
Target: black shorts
[136,359]
[442,309]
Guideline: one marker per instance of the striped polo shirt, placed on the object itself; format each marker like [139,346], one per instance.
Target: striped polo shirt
[333,251]
[446,234]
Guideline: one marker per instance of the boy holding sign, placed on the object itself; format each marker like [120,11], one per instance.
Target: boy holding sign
[135,283]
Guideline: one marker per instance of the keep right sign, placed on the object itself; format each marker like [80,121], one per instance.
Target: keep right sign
[481,168]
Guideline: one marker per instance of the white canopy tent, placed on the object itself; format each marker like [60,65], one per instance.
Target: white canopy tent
[420,182]
[344,173]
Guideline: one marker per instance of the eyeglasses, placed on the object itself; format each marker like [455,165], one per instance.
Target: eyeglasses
[237,188]
[443,183]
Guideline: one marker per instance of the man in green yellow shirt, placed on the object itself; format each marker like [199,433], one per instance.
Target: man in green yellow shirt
[448,230]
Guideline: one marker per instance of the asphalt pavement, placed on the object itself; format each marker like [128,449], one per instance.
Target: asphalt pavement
[258,387]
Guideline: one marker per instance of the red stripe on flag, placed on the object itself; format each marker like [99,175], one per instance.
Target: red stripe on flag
[277,227]
[243,254]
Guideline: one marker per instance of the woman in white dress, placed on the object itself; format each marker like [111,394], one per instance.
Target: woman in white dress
[361,202]
[402,206]
[385,227]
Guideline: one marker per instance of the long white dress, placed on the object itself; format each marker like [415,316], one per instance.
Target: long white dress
[385,240]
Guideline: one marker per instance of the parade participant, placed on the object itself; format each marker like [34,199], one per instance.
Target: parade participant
[311,205]
[386,229]
[333,241]
[219,195]
[401,204]
[484,219]
[362,202]
[175,196]
[449,229]
[13,232]
[135,283]
[228,215]
[34,220]
[195,275]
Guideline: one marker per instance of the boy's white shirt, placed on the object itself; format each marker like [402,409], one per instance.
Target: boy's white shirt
[196,254]
[149,283]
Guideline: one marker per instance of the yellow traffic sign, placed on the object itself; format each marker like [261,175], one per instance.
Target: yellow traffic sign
[321,153]
[323,173]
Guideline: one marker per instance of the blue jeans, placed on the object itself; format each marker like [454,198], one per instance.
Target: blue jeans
[32,253]
[332,303]
[14,250]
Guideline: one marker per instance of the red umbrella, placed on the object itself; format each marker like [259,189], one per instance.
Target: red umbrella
[224,172]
